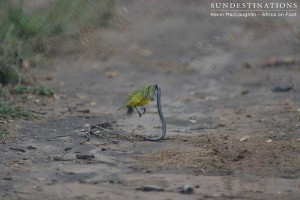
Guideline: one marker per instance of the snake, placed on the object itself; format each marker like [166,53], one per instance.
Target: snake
[161,116]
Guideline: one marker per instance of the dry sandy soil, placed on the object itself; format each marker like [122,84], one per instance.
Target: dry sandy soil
[230,136]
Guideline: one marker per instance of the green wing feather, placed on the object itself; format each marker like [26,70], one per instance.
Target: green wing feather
[134,96]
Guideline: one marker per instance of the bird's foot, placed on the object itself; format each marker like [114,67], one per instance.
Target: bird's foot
[144,109]
[137,110]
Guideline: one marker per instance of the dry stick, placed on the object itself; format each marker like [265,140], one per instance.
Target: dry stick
[100,135]
[87,133]
[59,136]
[161,116]
[203,128]
[115,134]
[91,131]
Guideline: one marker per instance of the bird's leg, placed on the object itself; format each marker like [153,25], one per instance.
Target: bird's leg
[138,111]
[144,109]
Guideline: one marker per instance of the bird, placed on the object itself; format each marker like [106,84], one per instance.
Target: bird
[140,98]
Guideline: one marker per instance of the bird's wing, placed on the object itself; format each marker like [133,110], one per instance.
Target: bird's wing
[133,98]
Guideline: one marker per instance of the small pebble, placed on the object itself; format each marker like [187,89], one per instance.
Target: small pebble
[187,189]
[282,88]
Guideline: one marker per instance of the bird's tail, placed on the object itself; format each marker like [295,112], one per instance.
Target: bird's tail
[120,108]
[129,109]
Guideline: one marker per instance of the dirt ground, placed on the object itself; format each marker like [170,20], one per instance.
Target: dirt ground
[230,134]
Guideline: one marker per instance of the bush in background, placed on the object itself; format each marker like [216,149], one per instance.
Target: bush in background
[24,35]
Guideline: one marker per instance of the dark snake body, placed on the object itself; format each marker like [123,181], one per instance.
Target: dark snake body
[161,116]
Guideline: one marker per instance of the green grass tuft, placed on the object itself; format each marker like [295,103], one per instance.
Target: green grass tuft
[3,135]
[2,91]
[8,111]
[4,94]
[38,90]
[43,90]
[21,89]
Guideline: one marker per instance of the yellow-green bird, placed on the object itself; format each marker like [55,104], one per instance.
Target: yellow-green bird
[140,98]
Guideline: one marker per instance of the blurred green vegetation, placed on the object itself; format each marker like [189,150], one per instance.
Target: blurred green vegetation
[3,135]
[38,90]
[27,33]
[8,111]
[43,90]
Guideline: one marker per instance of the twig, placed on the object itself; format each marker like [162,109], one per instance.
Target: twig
[39,112]
[100,135]
[59,136]
[202,128]
[93,132]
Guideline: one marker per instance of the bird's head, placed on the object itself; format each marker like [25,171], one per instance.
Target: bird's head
[150,92]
